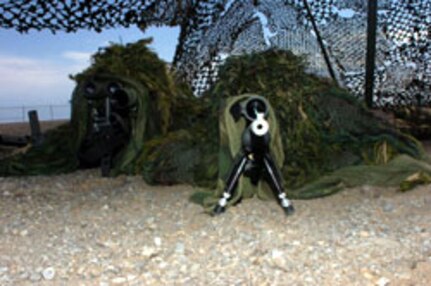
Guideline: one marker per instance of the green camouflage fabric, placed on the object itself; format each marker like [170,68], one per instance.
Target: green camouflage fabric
[330,140]
[147,83]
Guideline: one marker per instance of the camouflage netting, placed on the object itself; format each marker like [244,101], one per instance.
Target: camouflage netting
[329,138]
[148,85]
[403,70]
[214,29]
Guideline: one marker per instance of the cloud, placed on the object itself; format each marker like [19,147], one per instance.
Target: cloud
[33,80]
[78,60]
[78,57]
[21,72]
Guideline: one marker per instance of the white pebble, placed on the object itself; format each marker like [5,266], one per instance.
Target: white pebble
[383,281]
[24,232]
[275,253]
[131,277]
[48,273]
[119,280]
[157,241]
[296,243]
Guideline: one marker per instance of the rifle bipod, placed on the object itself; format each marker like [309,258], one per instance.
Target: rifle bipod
[255,160]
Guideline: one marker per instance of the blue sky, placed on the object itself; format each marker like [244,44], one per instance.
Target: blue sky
[34,67]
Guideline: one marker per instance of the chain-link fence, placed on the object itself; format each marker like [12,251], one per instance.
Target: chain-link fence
[45,113]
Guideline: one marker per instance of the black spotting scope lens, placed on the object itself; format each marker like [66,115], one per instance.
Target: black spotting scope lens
[113,87]
[118,96]
[90,88]
[91,91]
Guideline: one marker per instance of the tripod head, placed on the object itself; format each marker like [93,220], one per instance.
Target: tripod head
[254,160]
[256,136]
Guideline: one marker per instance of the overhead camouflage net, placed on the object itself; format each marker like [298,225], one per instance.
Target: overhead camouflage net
[403,70]
[215,29]
[149,91]
[330,140]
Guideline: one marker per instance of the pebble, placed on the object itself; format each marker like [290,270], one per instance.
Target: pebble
[364,234]
[119,280]
[34,277]
[383,281]
[367,274]
[23,232]
[158,241]
[112,269]
[131,277]
[148,251]
[296,243]
[179,248]
[275,254]
[388,207]
[48,273]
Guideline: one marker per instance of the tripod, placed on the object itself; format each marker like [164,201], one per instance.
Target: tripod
[255,159]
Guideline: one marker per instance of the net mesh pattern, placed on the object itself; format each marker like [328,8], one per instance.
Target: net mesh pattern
[215,29]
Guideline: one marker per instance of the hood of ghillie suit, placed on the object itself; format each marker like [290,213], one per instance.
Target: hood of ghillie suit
[151,91]
[323,131]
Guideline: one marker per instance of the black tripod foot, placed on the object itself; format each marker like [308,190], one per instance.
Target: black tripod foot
[218,209]
[289,210]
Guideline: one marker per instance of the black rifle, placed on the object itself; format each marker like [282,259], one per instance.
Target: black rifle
[255,159]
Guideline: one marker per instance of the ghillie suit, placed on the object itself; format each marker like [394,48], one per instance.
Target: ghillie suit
[330,140]
[140,93]
[414,120]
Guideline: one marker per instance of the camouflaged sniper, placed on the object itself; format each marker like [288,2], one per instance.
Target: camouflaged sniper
[145,85]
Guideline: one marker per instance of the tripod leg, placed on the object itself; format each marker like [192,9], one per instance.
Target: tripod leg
[275,183]
[231,183]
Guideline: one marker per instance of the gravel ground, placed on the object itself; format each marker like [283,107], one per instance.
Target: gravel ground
[81,229]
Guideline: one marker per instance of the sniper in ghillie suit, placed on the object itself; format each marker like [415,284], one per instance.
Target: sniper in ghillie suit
[132,115]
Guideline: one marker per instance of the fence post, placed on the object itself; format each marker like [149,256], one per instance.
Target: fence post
[51,112]
[36,134]
[23,114]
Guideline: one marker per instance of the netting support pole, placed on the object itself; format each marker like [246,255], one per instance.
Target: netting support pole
[320,41]
[371,52]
